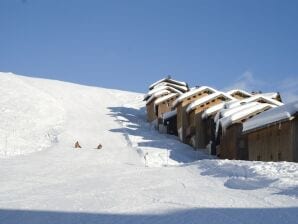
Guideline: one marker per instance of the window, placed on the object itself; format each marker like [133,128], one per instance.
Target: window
[279,157]
[258,158]
[271,157]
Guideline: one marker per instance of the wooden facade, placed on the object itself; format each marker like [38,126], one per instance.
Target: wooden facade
[232,144]
[277,142]
[165,105]
[151,114]
[198,132]
[182,117]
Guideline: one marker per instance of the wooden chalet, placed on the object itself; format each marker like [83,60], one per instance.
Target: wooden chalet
[158,90]
[273,135]
[151,115]
[198,132]
[182,103]
[232,144]
[164,104]
[153,95]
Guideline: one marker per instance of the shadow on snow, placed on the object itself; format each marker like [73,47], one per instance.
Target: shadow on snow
[199,215]
[134,124]
[239,176]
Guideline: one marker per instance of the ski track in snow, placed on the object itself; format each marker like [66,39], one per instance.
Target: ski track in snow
[45,180]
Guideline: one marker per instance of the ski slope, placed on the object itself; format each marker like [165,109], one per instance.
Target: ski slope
[45,180]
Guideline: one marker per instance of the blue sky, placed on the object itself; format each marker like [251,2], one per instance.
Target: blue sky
[129,44]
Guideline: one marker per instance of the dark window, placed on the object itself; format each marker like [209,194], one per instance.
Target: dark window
[279,156]
[259,158]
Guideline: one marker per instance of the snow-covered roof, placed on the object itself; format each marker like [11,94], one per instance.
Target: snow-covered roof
[267,118]
[243,114]
[179,87]
[233,91]
[232,103]
[191,93]
[207,98]
[168,80]
[157,89]
[165,98]
[213,110]
[256,98]
[169,114]
[272,95]
[158,94]
[229,111]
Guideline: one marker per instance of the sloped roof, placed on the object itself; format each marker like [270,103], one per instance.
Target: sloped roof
[191,93]
[271,95]
[255,98]
[231,92]
[179,87]
[168,80]
[157,89]
[165,98]
[225,122]
[281,113]
[157,94]
[212,110]
[207,98]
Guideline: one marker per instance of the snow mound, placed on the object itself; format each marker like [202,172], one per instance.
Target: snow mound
[30,119]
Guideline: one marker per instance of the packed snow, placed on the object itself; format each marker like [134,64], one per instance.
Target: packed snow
[139,176]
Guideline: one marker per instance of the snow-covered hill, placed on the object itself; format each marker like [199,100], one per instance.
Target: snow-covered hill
[45,180]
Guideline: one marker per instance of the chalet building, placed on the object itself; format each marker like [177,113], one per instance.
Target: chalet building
[182,103]
[169,81]
[273,135]
[239,94]
[150,104]
[169,123]
[232,144]
[198,132]
[164,104]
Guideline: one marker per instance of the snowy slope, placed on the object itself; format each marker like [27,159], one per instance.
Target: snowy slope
[45,180]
